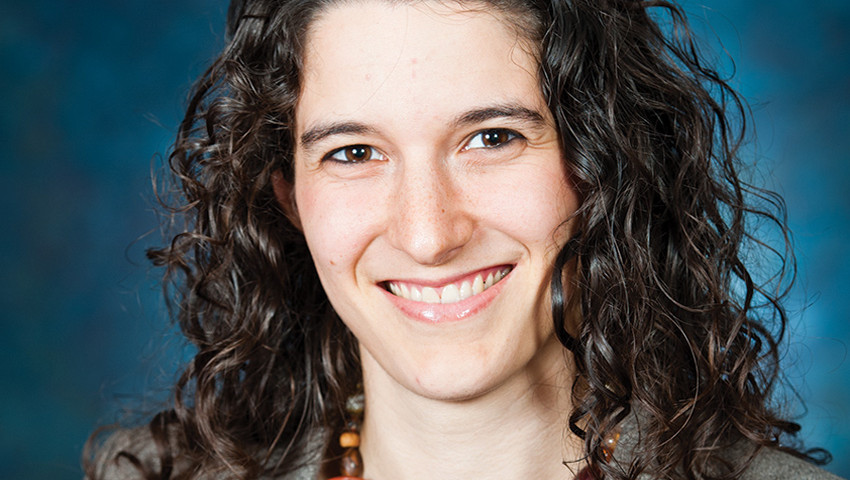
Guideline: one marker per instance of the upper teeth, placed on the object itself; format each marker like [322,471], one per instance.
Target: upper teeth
[450,293]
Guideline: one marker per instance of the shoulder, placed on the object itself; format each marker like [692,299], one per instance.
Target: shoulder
[768,463]
[126,454]
[133,454]
[772,464]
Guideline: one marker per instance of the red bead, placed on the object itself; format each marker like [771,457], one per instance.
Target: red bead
[589,473]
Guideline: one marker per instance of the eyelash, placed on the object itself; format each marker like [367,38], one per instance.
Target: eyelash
[359,153]
[350,157]
[509,135]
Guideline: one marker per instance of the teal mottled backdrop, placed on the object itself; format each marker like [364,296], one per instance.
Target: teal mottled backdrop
[91,93]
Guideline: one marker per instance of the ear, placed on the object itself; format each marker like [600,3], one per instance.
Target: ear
[284,192]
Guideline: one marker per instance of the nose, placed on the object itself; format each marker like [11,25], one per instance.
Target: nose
[430,221]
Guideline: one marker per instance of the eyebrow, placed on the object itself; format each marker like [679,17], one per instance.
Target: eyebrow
[509,111]
[471,117]
[324,130]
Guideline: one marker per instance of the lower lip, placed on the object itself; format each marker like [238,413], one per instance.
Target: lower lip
[447,312]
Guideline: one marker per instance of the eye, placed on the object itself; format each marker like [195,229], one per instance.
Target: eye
[493,138]
[354,154]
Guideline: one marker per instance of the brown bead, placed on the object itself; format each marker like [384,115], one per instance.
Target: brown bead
[608,446]
[349,440]
[351,464]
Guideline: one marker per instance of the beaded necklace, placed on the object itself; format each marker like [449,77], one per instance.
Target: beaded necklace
[351,464]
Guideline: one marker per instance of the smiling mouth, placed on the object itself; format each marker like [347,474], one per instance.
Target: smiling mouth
[449,293]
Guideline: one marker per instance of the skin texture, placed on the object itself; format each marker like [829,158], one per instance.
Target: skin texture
[427,88]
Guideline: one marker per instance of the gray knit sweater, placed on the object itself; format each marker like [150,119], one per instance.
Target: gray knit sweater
[770,464]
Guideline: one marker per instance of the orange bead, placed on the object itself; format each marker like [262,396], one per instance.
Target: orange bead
[349,440]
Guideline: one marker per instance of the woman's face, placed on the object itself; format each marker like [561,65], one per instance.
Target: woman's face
[432,192]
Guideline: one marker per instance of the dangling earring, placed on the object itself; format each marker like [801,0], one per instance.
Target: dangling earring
[351,464]
[609,443]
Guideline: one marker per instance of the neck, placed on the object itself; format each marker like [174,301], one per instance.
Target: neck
[517,430]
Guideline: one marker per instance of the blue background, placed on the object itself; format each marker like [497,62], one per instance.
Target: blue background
[92,91]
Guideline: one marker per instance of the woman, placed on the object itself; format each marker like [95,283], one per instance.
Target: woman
[514,229]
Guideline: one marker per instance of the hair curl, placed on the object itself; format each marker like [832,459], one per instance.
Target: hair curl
[673,326]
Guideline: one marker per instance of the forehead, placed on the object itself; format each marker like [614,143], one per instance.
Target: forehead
[365,57]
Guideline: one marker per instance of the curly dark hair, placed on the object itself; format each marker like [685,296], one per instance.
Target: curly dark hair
[673,328]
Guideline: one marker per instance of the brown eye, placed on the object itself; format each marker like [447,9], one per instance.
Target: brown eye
[354,154]
[358,153]
[493,138]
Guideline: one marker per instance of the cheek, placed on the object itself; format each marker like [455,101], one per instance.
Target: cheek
[530,204]
[337,224]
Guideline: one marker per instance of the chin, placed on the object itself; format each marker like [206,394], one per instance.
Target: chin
[458,376]
[453,390]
